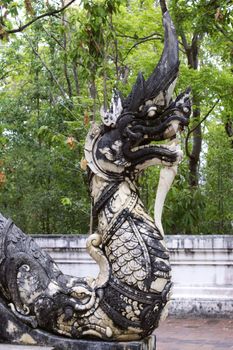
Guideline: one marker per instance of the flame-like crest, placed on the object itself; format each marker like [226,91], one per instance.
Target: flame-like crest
[158,88]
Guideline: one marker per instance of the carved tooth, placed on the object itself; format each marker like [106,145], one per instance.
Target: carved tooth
[149,103]
[164,313]
[151,113]
[137,312]
[108,332]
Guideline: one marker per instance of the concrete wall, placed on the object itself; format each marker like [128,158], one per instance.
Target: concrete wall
[202,269]
[202,274]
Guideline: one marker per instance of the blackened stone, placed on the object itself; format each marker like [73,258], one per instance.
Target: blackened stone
[14,331]
[23,347]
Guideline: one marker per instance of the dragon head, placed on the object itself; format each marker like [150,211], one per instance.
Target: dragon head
[122,145]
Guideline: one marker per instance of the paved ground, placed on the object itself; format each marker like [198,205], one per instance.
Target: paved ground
[195,334]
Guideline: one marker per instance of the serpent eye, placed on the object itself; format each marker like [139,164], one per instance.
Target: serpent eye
[81,295]
[186,109]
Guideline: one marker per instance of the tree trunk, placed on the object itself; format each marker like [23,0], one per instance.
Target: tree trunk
[76,80]
[192,52]
[196,151]
[66,73]
[93,94]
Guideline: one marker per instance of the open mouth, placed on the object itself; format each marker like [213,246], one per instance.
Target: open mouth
[143,134]
[139,147]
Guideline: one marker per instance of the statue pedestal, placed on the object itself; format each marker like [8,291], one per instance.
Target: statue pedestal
[65,344]
[15,335]
[146,344]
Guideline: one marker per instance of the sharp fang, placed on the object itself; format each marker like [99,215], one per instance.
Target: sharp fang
[149,103]
[134,149]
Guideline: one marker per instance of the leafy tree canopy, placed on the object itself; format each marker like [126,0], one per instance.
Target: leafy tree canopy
[59,64]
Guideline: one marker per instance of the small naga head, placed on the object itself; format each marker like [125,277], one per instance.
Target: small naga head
[122,145]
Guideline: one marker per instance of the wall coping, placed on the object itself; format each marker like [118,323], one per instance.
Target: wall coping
[174,242]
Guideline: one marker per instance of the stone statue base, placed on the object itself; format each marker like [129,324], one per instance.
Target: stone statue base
[14,331]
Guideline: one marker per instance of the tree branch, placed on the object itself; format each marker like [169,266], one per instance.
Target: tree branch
[53,37]
[218,27]
[196,126]
[138,43]
[47,14]
[184,41]
[68,22]
[65,42]
[5,75]
[47,68]
[137,38]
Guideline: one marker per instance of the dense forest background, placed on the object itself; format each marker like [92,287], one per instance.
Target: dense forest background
[59,64]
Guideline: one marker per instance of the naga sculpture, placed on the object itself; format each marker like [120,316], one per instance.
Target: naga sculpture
[128,297]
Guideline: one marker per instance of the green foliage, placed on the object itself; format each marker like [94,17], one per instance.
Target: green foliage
[55,76]
[219,182]
[183,210]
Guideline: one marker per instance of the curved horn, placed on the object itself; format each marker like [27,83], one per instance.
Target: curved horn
[167,69]
[163,6]
[137,95]
[163,76]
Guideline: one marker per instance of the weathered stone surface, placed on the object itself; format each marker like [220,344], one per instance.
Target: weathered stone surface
[14,331]
[202,269]
[24,347]
[147,344]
